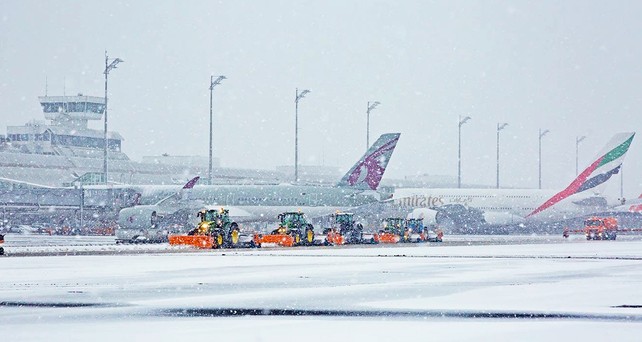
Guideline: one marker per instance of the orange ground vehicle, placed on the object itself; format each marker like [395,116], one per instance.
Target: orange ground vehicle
[597,228]
[600,228]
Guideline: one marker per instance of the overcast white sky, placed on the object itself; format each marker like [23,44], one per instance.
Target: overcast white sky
[572,67]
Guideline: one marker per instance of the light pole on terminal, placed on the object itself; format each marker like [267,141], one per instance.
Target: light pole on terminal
[370,107]
[462,121]
[297,98]
[213,83]
[499,128]
[578,140]
[542,133]
[108,67]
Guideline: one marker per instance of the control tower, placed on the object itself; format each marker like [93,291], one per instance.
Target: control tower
[68,133]
[72,111]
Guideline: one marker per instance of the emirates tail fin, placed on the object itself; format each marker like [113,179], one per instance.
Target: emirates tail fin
[607,163]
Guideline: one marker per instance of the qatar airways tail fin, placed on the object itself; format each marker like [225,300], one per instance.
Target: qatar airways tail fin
[184,193]
[190,184]
[367,172]
[607,163]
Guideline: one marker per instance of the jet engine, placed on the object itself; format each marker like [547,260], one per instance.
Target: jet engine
[139,217]
[429,215]
[457,218]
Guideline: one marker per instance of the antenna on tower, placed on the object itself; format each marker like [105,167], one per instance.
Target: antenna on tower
[46,85]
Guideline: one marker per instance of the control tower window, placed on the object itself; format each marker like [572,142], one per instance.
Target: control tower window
[96,108]
[114,145]
[74,107]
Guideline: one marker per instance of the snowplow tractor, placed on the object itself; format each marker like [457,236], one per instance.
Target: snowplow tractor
[394,231]
[215,230]
[293,230]
[344,230]
[416,230]
[351,232]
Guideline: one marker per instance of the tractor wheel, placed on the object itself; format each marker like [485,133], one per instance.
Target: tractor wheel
[219,240]
[309,235]
[405,237]
[235,234]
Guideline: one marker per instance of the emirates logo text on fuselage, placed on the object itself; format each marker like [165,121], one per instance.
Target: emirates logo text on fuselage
[419,201]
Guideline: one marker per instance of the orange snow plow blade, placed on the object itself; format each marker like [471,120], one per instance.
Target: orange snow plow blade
[200,241]
[388,238]
[279,239]
[335,238]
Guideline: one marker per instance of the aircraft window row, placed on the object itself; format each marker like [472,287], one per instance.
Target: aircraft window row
[469,196]
[257,199]
[502,208]
[483,196]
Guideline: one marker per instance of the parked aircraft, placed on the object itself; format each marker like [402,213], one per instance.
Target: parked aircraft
[480,210]
[254,203]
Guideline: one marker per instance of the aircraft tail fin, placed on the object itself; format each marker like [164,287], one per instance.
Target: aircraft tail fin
[184,192]
[607,163]
[191,183]
[368,171]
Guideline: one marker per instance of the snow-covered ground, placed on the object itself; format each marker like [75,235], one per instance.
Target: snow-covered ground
[526,288]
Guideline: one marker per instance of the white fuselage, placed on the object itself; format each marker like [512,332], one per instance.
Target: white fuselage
[519,202]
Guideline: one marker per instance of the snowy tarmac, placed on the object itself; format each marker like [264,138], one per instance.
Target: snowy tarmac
[494,288]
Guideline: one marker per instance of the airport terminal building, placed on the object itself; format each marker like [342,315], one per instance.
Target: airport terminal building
[57,152]
[49,169]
